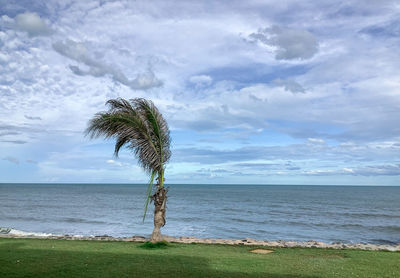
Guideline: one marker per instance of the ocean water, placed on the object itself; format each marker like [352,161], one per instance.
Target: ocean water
[271,212]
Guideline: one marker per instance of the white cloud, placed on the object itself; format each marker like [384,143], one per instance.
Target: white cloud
[219,90]
[316,140]
[290,43]
[348,170]
[79,52]
[11,159]
[201,80]
[4,58]
[32,24]
[113,162]
[290,85]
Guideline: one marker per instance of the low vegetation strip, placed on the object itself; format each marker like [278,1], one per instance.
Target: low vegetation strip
[66,258]
[246,241]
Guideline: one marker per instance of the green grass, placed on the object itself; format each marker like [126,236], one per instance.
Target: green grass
[157,245]
[62,258]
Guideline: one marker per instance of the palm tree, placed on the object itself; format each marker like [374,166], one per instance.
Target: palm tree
[138,125]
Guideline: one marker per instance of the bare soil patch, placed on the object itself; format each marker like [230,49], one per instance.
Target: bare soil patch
[261,251]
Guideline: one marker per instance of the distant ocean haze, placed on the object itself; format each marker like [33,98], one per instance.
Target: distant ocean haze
[265,212]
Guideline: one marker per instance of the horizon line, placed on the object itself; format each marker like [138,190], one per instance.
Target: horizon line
[168,184]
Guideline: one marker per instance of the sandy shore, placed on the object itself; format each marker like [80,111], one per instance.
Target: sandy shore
[246,241]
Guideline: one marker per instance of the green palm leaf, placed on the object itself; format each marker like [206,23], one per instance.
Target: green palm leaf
[149,190]
[138,125]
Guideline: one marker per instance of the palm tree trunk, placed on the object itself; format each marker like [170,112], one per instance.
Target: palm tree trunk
[160,202]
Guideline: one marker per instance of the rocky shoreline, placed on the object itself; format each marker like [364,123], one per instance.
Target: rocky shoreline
[246,241]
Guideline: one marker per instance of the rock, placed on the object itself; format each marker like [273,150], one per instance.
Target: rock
[5,231]
[138,237]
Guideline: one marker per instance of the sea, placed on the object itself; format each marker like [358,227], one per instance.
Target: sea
[348,214]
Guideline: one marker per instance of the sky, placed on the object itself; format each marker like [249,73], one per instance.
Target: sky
[254,92]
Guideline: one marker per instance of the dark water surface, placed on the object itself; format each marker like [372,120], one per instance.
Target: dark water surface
[281,212]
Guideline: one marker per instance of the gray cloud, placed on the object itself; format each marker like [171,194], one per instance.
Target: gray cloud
[14,141]
[201,80]
[32,24]
[17,134]
[219,117]
[370,170]
[208,156]
[257,166]
[342,160]
[32,118]
[377,170]
[346,153]
[78,52]
[266,166]
[14,129]
[290,43]
[343,102]
[386,29]
[290,85]
[11,159]
[6,133]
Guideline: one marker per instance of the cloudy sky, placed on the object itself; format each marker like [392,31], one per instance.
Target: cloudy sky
[264,92]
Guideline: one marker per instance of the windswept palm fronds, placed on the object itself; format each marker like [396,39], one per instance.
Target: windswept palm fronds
[138,125]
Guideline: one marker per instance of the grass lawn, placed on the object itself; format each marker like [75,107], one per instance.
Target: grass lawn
[62,258]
